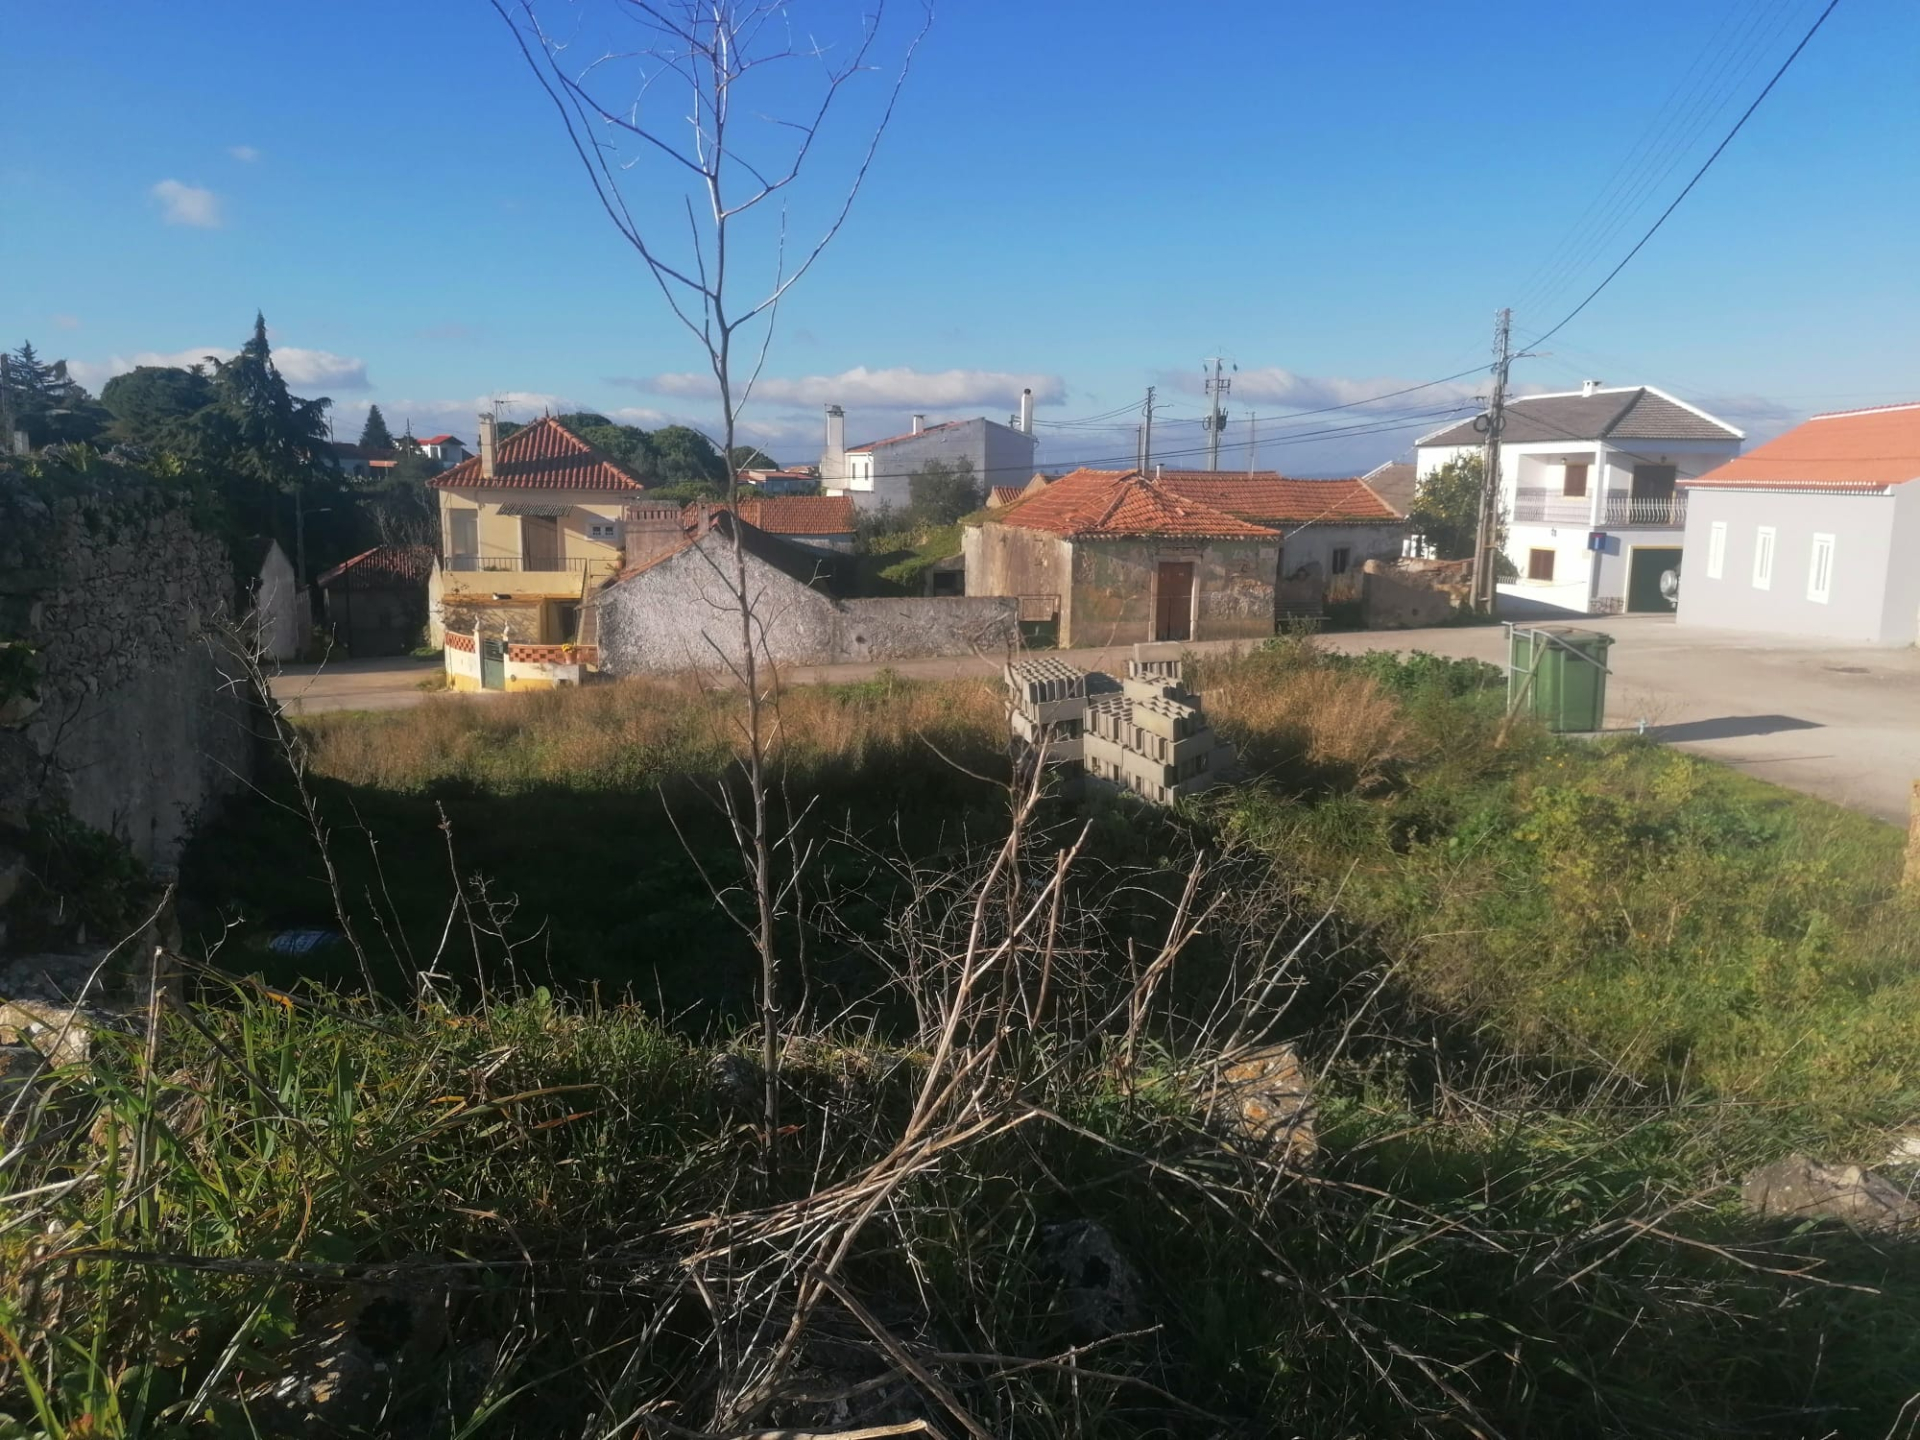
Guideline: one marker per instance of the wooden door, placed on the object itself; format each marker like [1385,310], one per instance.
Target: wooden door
[539,542]
[1173,602]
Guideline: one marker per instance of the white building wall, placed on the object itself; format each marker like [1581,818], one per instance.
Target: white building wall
[1872,597]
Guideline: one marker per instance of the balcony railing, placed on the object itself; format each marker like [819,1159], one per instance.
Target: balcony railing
[1619,510]
[1550,507]
[543,564]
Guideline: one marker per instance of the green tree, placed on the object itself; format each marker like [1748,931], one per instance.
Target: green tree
[40,398]
[261,433]
[150,403]
[941,491]
[682,455]
[1446,509]
[374,435]
[751,457]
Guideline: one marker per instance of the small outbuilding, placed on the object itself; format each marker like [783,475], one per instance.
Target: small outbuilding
[1815,533]
[376,603]
[1116,558]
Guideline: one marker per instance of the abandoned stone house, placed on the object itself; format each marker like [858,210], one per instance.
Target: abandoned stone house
[675,606]
[1328,528]
[1113,557]
[1145,734]
[823,522]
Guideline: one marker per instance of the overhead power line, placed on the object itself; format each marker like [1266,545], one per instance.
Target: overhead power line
[1738,125]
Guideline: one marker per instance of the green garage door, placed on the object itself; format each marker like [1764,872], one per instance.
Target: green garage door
[1644,569]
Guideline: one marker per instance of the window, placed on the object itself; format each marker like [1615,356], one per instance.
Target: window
[1573,479]
[1820,572]
[1763,558]
[607,532]
[1540,565]
[1717,550]
[1342,557]
[463,533]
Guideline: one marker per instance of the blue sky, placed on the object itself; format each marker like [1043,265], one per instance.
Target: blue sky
[1086,197]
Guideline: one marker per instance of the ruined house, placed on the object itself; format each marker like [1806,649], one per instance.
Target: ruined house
[1113,557]
[675,607]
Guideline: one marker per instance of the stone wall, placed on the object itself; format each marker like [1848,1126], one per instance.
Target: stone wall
[1113,601]
[124,722]
[681,614]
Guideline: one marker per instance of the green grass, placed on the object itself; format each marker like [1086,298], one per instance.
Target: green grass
[1566,995]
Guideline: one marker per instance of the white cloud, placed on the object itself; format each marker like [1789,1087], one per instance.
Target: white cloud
[246,154]
[900,386]
[187,204]
[309,371]
[1272,385]
[320,369]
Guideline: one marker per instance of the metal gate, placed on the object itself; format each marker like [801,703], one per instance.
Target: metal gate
[493,665]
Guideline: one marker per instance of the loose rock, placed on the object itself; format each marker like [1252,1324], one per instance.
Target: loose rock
[350,1360]
[1264,1103]
[1801,1188]
[1099,1288]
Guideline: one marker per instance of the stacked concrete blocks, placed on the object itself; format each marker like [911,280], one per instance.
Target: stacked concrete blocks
[1145,734]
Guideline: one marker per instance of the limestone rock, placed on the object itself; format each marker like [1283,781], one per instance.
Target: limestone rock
[1263,1102]
[1800,1188]
[739,1084]
[350,1361]
[1100,1291]
[57,1034]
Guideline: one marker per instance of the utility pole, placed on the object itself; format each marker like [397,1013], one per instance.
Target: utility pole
[1486,580]
[1253,441]
[1146,440]
[1216,420]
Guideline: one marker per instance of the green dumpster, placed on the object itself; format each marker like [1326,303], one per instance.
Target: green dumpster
[1558,675]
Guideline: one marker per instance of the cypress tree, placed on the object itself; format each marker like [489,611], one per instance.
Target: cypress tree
[374,435]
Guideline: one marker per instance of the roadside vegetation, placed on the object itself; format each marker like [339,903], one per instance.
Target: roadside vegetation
[1555,998]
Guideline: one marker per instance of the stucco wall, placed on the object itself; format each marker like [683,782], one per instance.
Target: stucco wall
[999,455]
[500,534]
[1866,595]
[683,614]
[1006,560]
[119,595]
[1314,544]
[280,607]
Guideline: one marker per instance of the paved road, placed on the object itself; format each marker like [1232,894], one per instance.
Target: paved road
[1839,723]
[354,685]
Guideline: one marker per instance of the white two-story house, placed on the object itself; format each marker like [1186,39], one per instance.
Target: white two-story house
[1589,485]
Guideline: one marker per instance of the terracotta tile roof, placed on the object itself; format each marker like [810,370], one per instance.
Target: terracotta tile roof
[1111,504]
[1005,494]
[910,435]
[1622,413]
[390,565]
[794,514]
[543,456]
[438,440]
[1846,450]
[817,569]
[1270,498]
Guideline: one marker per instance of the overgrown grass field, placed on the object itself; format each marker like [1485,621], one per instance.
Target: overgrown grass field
[1556,997]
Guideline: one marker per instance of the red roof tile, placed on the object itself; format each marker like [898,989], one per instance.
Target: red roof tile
[385,565]
[1111,504]
[1268,497]
[543,456]
[1847,450]
[436,440]
[796,514]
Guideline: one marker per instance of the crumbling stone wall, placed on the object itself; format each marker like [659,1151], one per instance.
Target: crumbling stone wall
[121,718]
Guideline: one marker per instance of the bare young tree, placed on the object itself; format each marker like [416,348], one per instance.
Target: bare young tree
[664,111]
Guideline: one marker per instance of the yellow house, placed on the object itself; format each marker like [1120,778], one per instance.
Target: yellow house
[529,527]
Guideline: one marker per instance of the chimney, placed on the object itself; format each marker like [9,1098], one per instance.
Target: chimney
[1026,410]
[919,423]
[486,445]
[833,463]
[1589,387]
[652,529]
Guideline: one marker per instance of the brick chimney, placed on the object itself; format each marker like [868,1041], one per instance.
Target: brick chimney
[486,445]
[652,529]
